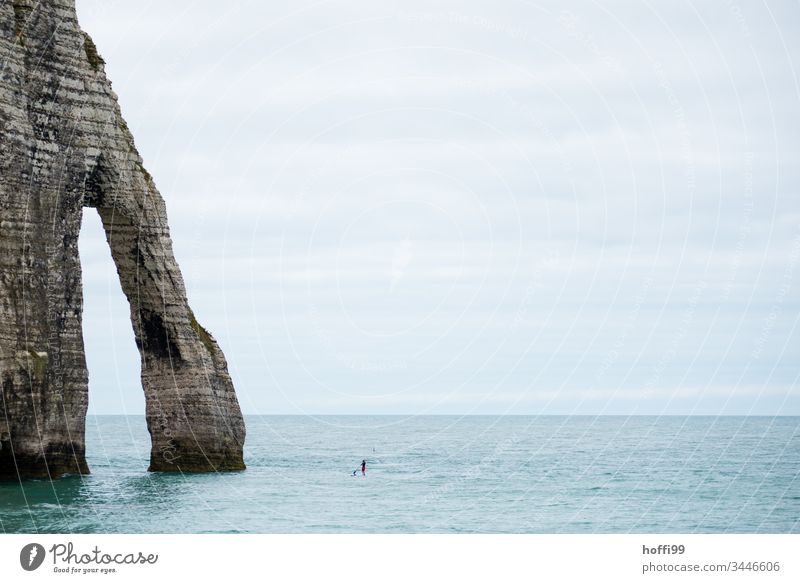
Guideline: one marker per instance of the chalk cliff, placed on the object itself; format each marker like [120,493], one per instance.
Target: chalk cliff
[64,146]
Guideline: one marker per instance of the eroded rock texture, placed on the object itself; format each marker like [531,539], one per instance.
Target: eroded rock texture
[64,146]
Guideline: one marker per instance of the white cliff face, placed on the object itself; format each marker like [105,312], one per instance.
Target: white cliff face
[65,146]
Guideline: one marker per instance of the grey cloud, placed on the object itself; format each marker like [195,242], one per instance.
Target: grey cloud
[552,209]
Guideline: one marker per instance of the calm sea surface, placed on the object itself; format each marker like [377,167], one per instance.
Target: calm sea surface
[438,474]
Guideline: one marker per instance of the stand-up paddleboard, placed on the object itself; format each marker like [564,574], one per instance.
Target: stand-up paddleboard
[360,468]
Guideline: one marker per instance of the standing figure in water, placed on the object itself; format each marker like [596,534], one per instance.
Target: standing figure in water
[363,467]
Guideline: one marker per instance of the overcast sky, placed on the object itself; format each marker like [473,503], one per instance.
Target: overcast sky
[467,207]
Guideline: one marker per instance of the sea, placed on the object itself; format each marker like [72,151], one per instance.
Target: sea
[437,474]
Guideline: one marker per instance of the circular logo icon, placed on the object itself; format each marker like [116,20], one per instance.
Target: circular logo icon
[31,556]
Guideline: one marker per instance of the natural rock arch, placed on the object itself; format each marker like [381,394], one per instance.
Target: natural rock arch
[64,146]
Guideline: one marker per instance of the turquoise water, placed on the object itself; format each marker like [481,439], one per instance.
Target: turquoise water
[438,474]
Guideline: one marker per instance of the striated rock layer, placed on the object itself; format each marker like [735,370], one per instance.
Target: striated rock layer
[64,146]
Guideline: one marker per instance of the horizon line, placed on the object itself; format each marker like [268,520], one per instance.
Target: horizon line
[479,415]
